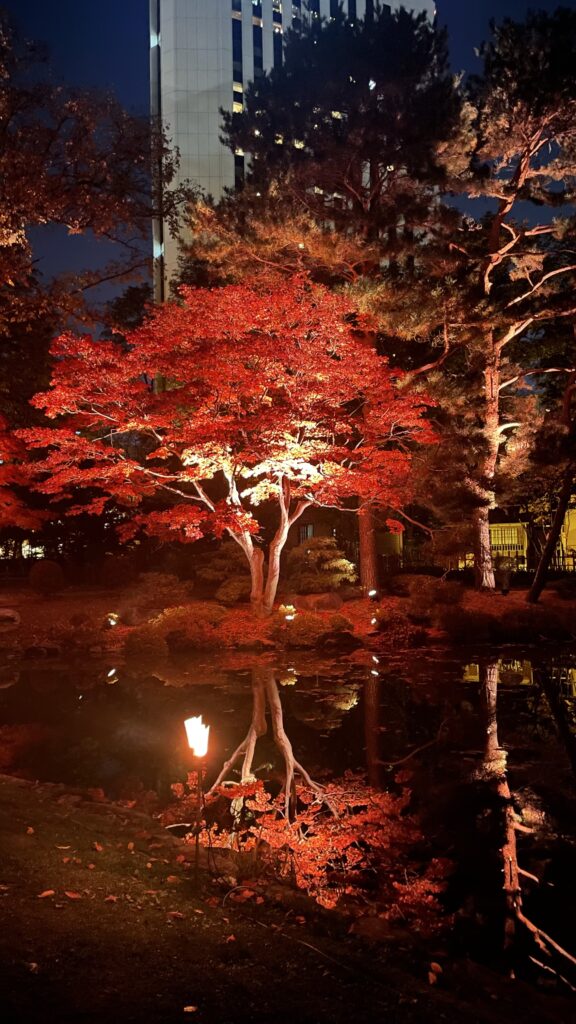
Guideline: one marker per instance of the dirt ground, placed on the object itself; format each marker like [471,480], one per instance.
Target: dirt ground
[101,921]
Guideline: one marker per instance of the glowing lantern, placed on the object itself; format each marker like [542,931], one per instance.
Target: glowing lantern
[197,735]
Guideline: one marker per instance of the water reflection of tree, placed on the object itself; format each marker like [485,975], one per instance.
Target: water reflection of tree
[265,695]
[494,772]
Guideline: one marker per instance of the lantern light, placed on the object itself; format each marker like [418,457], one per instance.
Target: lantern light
[197,735]
[374,621]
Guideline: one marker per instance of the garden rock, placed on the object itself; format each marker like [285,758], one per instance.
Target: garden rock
[9,619]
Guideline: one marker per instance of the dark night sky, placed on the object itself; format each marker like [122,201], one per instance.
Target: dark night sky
[105,44]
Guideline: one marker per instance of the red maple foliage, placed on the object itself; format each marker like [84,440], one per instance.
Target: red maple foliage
[13,508]
[224,401]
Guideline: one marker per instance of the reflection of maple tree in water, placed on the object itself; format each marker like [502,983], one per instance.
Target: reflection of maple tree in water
[265,691]
[343,841]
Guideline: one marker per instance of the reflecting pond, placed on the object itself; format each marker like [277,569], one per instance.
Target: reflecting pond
[457,723]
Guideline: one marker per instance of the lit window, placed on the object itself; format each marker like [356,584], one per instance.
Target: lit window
[306,532]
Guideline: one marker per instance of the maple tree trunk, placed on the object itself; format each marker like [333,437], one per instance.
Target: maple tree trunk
[369,575]
[553,537]
[255,558]
[274,555]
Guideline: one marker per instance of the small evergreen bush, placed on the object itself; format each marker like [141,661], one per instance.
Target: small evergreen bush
[115,571]
[309,629]
[159,590]
[186,627]
[318,566]
[46,577]
[144,642]
[234,590]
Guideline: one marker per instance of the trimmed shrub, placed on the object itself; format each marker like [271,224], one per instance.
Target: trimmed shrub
[116,571]
[190,626]
[144,642]
[225,563]
[318,566]
[309,629]
[159,590]
[234,590]
[46,577]
[430,597]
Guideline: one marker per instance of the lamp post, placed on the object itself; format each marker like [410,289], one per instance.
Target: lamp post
[197,734]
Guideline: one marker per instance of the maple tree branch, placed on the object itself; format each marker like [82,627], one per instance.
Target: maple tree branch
[413,522]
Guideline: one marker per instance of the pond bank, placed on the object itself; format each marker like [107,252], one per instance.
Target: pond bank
[101,922]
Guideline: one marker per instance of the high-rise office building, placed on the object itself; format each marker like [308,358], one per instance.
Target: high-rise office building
[202,55]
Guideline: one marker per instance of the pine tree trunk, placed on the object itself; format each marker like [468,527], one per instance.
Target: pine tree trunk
[369,575]
[553,537]
[483,566]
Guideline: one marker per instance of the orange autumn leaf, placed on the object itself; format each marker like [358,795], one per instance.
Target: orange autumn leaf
[47,892]
[73,895]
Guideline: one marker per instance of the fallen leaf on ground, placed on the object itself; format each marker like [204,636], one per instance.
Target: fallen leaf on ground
[432,978]
[65,860]
[242,895]
[47,892]
[111,899]
[189,1009]
[176,914]
[73,895]
[130,846]
[173,880]
[230,938]
[63,847]
[198,911]
[98,847]
[29,831]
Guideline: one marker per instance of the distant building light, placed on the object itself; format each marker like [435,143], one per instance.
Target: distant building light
[371,84]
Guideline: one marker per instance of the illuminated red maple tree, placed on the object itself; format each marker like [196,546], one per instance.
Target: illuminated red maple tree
[225,401]
[13,509]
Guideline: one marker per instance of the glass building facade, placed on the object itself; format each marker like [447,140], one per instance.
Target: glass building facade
[203,53]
